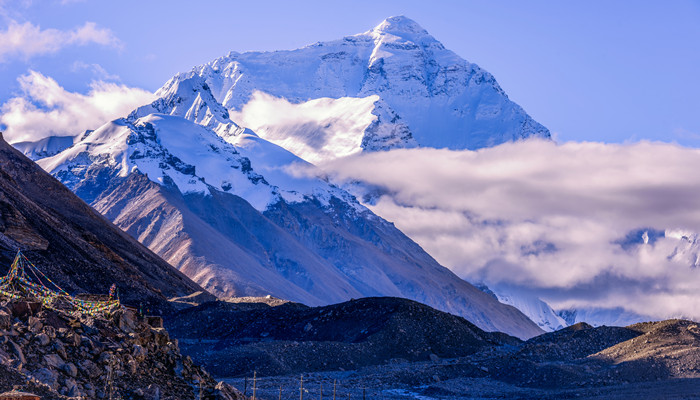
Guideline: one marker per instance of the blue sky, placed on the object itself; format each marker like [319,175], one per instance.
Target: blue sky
[590,71]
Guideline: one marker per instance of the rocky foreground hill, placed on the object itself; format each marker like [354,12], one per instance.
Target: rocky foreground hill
[402,349]
[233,339]
[73,244]
[58,355]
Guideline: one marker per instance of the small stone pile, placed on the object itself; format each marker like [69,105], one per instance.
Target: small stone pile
[120,356]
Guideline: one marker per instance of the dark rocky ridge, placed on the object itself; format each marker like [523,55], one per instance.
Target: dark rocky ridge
[235,339]
[650,360]
[72,243]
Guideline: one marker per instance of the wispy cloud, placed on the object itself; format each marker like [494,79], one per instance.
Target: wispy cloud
[550,217]
[26,40]
[96,69]
[47,109]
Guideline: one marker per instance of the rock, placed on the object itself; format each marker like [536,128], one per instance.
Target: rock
[52,360]
[43,339]
[18,352]
[161,336]
[70,388]
[89,390]
[5,320]
[224,391]
[46,376]
[105,358]
[70,369]
[152,392]
[22,308]
[34,324]
[50,331]
[74,340]
[131,367]
[139,353]
[89,368]
[60,350]
[434,358]
[87,342]
[127,322]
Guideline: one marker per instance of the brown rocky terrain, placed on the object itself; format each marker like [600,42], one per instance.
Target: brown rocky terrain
[58,355]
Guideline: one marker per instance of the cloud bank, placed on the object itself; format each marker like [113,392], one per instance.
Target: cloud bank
[26,40]
[580,224]
[47,109]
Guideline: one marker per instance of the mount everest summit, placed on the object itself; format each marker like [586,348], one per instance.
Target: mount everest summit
[394,86]
[201,176]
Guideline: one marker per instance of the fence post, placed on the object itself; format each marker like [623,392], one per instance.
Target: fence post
[301,388]
[255,382]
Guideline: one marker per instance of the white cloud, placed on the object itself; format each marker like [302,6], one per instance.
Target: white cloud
[47,109]
[550,217]
[95,69]
[25,40]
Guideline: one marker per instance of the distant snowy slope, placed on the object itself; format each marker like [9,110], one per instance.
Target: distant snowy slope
[532,306]
[616,316]
[409,89]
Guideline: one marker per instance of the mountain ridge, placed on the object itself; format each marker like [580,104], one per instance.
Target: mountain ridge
[73,244]
[443,100]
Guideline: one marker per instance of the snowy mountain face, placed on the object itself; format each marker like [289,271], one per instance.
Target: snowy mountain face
[394,86]
[532,306]
[602,316]
[683,248]
[235,220]
[188,178]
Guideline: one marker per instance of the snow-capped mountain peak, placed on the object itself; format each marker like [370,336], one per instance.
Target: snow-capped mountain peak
[436,98]
[401,29]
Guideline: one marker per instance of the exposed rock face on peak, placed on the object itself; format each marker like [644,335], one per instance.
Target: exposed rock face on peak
[74,245]
[191,99]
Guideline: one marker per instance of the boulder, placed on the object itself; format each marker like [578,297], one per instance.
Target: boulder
[139,353]
[46,376]
[69,369]
[52,361]
[18,352]
[89,368]
[35,325]
[23,308]
[5,320]
[43,339]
